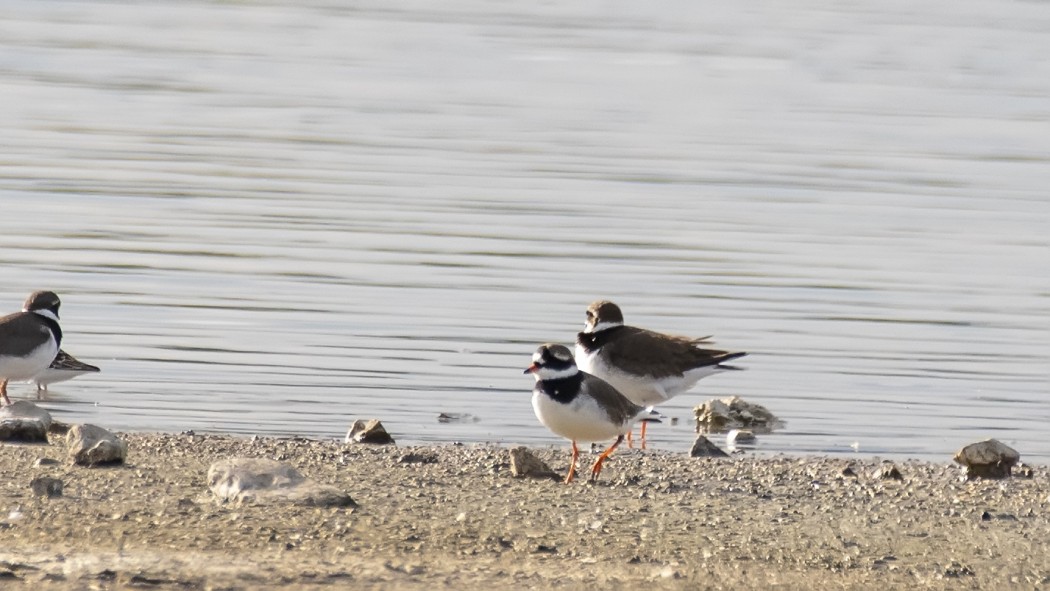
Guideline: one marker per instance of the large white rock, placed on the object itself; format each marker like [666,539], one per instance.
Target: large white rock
[90,445]
[265,481]
[24,422]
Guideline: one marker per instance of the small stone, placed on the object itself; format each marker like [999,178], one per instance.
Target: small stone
[24,422]
[90,445]
[987,459]
[703,448]
[887,471]
[525,463]
[418,458]
[1025,471]
[45,486]
[41,462]
[265,481]
[371,431]
[849,472]
[740,437]
[956,570]
[457,417]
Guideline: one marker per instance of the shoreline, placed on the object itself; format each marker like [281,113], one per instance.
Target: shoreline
[452,516]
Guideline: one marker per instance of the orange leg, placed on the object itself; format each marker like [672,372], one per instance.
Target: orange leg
[3,392]
[644,423]
[572,466]
[597,469]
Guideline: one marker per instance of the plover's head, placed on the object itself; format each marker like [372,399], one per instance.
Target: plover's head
[601,315]
[45,303]
[552,362]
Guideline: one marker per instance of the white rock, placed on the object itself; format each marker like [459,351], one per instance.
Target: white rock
[264,481]
[741,438]
[90,445]
[24,422]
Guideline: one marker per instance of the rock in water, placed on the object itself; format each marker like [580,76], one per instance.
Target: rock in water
[718,416]
[525,463]
[24,422]
[371,431]
[987,459]
[89,445]
[703,448]
[740,438]
[264,481]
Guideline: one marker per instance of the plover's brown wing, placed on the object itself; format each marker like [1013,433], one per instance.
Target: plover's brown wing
[21,333]
[647,353]
[621,411]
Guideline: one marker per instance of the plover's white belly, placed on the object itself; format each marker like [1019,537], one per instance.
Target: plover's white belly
[641,390]
[18,369]
[580,420]
[52,375]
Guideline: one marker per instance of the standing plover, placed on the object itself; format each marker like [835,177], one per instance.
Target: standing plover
[29,340]
[645,366]
[579,406]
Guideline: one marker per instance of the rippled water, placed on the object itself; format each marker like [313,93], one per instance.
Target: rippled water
[275,219]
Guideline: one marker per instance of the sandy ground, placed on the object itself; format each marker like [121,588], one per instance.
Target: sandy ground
[459,520]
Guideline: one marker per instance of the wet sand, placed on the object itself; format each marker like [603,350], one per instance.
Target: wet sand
[455,518]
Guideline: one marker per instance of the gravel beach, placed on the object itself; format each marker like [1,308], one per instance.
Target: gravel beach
[453,517]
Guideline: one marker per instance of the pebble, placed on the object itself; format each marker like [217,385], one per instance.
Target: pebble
[371,431]
[90,445]
[703,448]
[525,463]
[418,458]
[24,422]
[45,486]
[887,471]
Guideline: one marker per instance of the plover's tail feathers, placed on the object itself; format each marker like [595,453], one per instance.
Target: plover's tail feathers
[729,357]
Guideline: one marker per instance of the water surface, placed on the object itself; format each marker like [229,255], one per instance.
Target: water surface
[274,219]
